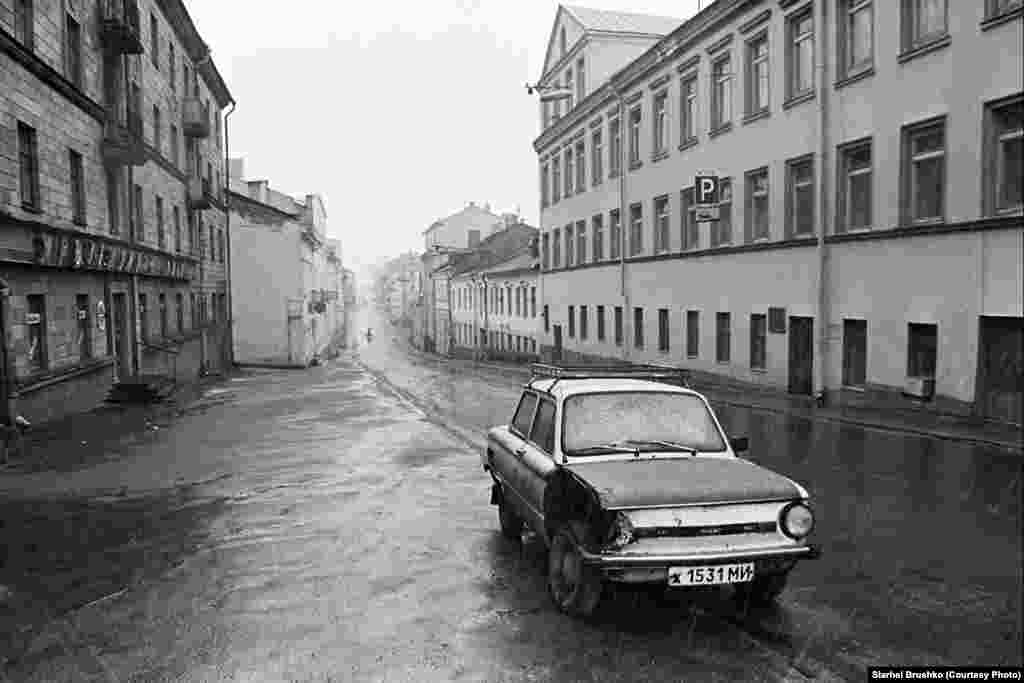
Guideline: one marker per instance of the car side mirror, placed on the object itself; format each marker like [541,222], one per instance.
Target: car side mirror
[740,444]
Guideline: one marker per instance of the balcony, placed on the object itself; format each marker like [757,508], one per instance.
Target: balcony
[120,31]
[195,118]
[123,143]
[199,193]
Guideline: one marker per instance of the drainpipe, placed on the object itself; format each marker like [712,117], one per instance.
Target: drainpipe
[227,232]
[821,373]
[623,223]
[10,385]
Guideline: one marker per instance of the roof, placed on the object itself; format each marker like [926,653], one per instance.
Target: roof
[622,22]
[571,387]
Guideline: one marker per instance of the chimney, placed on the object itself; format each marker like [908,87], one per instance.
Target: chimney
[236,169]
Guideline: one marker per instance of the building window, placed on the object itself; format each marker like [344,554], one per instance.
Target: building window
[1004,153]
[600,323]
[221,246]
[177,230]
[569,177]
[615,148]
[596,158]
[138,227]
[688,110]
[83,327]
[171,65]
[194,312]
[614,234]
[855,351]
[758,215]
[113,200]
[661,223]
[692,333]
[544,184]
[922,349]
[800,204]
[638,327]
[800,67]
[572,321]
[854,189]
[556,179]
[688,219]
[757,75]
[721,230]
[547,319]
[856,36]
[77,187]
[175,155]
[572,93]
[636,228]
[36,322]
[661,123]
[24,23]
[533,302]
[635,119]
[157,137]
[581,242]
[144,317]
[545,251]
[758,341]
[723,337]
[154,41]
[568,246]
[924,21]
[619,333]
[721,99]
[161,238]
[28,162]
[581,166]
[663,330]
[924,150]
[597,223]
[581,84]
[163,315]
[583,322]
[556,249]
[73,50]
[997,8]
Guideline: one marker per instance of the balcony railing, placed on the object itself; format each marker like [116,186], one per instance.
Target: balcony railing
[195,118]
[123,143]
[199,195]
[120,29]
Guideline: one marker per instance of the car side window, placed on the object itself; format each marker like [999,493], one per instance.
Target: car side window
[524,414]
[543,433]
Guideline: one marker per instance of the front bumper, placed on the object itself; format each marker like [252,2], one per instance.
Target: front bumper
[664,561]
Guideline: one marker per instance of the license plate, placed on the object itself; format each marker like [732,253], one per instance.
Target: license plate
[711,575]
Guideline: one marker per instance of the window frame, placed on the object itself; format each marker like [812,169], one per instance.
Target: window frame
[638,327]
[721,230]
[636,229]
[570,242]
[692,333]
[758,342]
[571,320]
[615,235]
[662,224]
[994,136]
[689,116]
[848,11]
[664,331]
[636,118]
[723,352]
[754,62]
[569,179]
[597,240]
[24,23]
[619,326]
[73,50]
[660,123]
[581,242]
[614,147]
[581,166]
[721,92]
[793,186]
[689,237]
[844,204]
[76,166]
[910,37]
[754,231]
[596,156]
[583,322]
[599,315]
[28,168]
[854,374]
[36,334]
[794,44]
[909,163]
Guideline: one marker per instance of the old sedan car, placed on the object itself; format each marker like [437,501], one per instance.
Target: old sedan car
[627,476]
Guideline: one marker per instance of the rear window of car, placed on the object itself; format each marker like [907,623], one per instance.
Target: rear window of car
[524,414]
[593,420]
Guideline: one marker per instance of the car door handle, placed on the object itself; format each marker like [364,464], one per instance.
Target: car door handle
[520,452]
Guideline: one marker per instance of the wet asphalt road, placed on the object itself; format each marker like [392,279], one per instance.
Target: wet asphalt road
[332,525]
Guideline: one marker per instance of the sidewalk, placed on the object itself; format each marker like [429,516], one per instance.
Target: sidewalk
[83,438]
[949,427]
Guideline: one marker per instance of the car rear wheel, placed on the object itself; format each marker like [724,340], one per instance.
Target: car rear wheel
[511,523]
[575,588]
[762,591]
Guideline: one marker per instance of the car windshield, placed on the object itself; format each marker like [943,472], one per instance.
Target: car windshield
[596,424]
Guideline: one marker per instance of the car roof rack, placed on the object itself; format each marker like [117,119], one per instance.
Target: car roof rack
[650,373]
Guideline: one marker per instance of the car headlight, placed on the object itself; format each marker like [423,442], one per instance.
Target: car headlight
[796,521]
[620,532]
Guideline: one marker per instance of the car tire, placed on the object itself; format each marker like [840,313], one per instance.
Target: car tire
[574,587]
[511,522]
[762,591]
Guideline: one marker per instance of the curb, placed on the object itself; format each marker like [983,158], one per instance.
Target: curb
[838,419]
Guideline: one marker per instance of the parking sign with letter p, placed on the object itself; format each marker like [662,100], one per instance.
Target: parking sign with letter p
[707,189]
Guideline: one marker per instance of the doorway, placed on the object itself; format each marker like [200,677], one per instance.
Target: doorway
[801,355]
[1001,369]
[122,342]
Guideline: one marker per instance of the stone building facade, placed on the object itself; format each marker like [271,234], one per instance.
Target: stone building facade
[112,220]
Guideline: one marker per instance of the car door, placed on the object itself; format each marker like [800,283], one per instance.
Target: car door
[538,463]
[508,445]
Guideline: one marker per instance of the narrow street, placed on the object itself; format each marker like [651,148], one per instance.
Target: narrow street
[333,524]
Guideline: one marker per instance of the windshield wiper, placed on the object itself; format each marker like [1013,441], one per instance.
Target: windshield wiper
[610,447]
[665,444]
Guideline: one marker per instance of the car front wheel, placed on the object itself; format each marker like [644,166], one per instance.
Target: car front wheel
[574,587]
[511,523]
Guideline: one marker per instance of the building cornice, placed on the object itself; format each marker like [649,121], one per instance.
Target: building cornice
[50,76]
[233,195]
[178,17]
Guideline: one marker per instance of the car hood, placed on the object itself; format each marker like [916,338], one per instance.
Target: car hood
[697,480]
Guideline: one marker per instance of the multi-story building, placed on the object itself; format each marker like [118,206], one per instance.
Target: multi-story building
[493,293]
[112,221]
[869,239]
[285,275]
